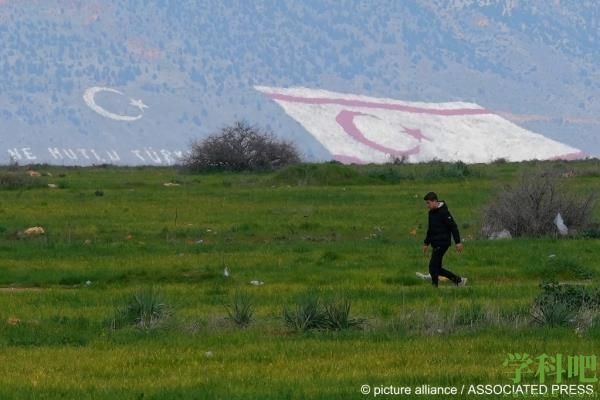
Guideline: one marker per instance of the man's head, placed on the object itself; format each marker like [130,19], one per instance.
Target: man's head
[431,200]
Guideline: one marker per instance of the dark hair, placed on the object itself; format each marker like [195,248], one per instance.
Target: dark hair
[431,196]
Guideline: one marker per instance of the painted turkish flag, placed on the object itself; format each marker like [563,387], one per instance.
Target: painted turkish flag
[360,129]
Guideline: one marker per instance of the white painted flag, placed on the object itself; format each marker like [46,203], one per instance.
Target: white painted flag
[360,129]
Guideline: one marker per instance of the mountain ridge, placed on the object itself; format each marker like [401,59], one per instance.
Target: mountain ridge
[195,63]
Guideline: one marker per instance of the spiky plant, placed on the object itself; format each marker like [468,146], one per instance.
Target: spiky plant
[240,309]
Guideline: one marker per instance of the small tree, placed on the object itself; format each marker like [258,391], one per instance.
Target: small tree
[529,206]
[241,147]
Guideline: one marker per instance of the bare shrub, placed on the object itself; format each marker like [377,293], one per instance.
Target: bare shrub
[240,147]
[530,206]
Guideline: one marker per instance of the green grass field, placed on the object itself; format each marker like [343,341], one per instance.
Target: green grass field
[339,231]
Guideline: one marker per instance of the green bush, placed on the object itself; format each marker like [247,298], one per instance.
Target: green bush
[559,304]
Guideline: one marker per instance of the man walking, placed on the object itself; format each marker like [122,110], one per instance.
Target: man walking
[441,226]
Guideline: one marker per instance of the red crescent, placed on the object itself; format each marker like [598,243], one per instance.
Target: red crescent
[346,120]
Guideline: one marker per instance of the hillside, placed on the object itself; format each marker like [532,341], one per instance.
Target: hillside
[362,130]
[184,69]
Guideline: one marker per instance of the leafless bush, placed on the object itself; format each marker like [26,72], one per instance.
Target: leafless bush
[240,147]
[530,206]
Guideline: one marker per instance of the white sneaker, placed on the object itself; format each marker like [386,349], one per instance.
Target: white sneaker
[462,282]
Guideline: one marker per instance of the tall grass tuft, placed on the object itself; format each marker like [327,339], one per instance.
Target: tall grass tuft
[306,314]
[145,309]
[337,315]
[240,309]
[553,314]
[310,312]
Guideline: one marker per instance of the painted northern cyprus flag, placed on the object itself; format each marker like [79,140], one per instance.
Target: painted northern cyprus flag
[360,129]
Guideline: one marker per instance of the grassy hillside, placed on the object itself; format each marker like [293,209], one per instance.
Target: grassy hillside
[354,232]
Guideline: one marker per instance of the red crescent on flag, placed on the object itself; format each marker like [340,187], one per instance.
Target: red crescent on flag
[346,120]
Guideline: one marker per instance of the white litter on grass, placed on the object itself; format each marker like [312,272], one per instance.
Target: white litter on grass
[170,184]
[560,225]
[34,231]
[257,283]
[88,283]
[226,272]
[208,354]
[53,186]
[552,256]
[503,234]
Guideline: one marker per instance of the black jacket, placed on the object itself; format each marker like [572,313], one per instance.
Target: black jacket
[441,225]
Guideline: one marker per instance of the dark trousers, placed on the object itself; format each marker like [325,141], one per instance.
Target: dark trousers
[435,266]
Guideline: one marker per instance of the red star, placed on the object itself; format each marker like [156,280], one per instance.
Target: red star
[416,133]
